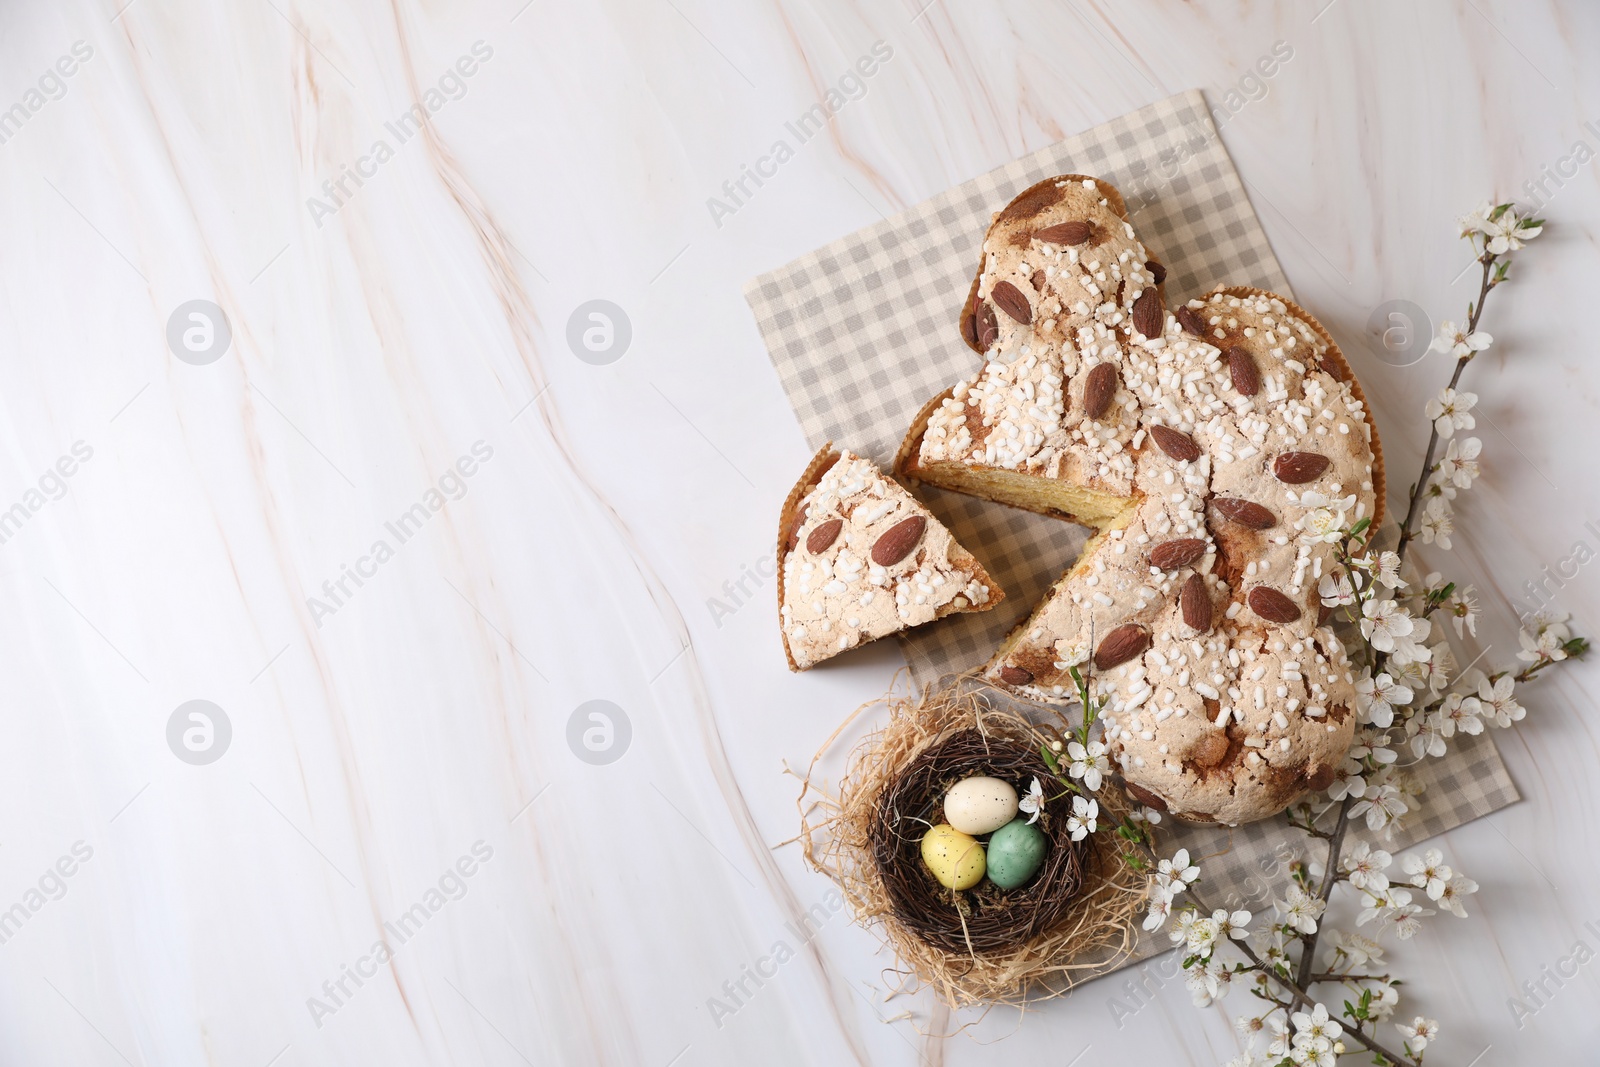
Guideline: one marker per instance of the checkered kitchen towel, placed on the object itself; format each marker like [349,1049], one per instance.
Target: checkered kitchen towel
[863,332]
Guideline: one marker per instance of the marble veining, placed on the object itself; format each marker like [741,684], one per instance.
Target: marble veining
[423,509]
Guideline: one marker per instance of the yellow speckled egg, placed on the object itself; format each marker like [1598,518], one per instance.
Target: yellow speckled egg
[955,858]
[980,805]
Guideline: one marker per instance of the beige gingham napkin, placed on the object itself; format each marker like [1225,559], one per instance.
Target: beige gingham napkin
[863,332]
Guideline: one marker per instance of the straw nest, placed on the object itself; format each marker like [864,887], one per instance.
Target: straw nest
[984,945]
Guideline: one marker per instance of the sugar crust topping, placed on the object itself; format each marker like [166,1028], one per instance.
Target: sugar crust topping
[838,598]
[1226,721]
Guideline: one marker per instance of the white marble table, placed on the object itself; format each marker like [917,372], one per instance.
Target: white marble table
[557,530]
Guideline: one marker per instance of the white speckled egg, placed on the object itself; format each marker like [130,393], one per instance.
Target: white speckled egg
[980,805]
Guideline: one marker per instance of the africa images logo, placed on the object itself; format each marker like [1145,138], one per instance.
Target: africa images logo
[451,85]
[450,486]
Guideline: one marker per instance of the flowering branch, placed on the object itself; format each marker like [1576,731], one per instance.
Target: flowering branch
[1408,708]
[1472,343]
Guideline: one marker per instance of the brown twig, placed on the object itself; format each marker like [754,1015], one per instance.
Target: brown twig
[1418,490]
[1330,875]
[1301,998]
[1332,976]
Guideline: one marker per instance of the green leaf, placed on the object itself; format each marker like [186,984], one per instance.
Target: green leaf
[1049,758]
[1355,531]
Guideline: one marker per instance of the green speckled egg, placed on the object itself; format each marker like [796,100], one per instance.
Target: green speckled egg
[1016,851]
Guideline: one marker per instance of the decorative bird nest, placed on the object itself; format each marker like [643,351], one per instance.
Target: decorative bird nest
[985,944]
[986,918]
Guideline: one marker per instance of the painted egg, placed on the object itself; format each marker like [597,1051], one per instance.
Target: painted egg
[955,858]
[1016,851]
[980,805]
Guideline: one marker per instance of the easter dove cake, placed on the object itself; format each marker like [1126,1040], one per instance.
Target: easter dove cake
[1215,451]
[862,559]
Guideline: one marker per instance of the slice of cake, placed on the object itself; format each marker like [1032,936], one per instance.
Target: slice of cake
[862,559]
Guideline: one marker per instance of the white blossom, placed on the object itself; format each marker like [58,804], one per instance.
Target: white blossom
[1456,890]
[1177,873]
[1387,570]
[1324,520]
[1321,526]
[1081,823]
[1250,1027]
[1201,937]
[1543,637]
[1382,808]
[1475,221]
[1452,411]
[1248,1058]
[1436,524]
[1375,906]
[1145,814]
[1394,909]
[1412,675]
[1315,1029]
[1385,998]
[1311,1056]
[1428,872]
[1160,903]
[1411,648]
[1419,1033]
[1460,714]
[1209,980]
[1456,342]
[1280,1044]
[1300,910]
[1274,947]
[1185,921]
[1359,950]
[1438,668]
[1088,763]
[1406,919]
[1463,612]
[1033,803]
[1364,865]
[1351,781]
[1336,590]
[1500,228]
[1231,924]
[1460,463]
[1379,697]
[1429,737]
[1383,621]
[1497,703]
